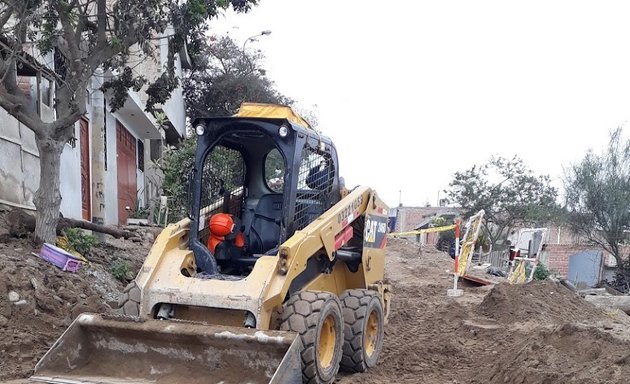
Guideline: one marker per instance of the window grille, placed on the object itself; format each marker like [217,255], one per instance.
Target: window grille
[141,155]
[315,179]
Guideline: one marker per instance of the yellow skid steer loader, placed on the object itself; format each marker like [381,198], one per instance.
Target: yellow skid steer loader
[275,277]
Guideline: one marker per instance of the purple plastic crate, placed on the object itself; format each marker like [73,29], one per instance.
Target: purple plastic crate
[59,258]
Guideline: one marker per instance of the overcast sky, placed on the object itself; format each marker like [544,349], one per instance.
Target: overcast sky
[413,91]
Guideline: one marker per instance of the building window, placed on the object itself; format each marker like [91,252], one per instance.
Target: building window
[141,155]
[72,142]
[46,88]
[156,150]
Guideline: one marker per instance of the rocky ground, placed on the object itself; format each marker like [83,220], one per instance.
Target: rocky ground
[535,333]
[38,301]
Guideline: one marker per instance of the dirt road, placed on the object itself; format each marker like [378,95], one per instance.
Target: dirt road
[529,334]
[536,333]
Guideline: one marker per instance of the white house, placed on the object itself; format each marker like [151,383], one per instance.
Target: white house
[104,167]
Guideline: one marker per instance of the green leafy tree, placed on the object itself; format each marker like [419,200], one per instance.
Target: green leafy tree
[598,200]
[84,36]
[175,165]
[227,77]
[509,193]
[217,86]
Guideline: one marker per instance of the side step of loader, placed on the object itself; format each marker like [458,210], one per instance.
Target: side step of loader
[101,350]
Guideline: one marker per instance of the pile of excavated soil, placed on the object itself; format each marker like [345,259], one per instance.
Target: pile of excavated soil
[534,333]
[38,301]
[537,301]
[570,353]
[555,337]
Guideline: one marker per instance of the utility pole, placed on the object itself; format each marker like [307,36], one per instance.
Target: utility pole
[400,197]
[98,156]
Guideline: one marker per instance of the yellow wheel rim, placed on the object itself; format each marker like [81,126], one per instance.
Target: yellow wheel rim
[371,334]
[327,340]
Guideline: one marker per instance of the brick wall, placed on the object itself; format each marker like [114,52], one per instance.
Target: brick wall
[556,256]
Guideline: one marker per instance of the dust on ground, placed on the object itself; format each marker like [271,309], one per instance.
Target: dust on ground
[529,334]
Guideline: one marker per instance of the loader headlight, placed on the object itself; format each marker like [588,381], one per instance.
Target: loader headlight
[200,129]
[283,131]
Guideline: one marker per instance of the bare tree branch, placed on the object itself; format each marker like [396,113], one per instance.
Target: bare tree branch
[5,16]
[15,105]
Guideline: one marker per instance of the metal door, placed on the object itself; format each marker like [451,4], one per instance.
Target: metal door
[585,267]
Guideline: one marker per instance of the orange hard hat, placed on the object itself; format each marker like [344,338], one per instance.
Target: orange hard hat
[221,224]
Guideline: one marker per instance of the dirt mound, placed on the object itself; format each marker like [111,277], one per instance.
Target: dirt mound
[423,336]
[38,300]
[525,334]
[540,301]
[570,353]
[536,333]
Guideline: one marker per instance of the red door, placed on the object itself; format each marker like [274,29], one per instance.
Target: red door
[86,196]
[126,166]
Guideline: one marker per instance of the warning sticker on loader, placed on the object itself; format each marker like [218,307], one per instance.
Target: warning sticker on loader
[375,235]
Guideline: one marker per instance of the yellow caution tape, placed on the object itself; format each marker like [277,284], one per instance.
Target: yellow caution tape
[419,231]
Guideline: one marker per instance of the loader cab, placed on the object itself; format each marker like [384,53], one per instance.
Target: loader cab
[257,180]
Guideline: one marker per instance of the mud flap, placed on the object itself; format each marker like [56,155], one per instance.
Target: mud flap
[103,350]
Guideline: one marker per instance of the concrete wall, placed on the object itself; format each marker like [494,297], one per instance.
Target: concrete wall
[18,155]
[19,168]
[152,67]
[71,180]
[174,107]
[19,160]
[111,173]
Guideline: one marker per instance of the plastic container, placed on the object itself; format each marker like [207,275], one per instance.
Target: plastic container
[59,258]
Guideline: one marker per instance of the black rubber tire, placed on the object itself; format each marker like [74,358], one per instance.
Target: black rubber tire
[358,304]
[305,313]
[129,300]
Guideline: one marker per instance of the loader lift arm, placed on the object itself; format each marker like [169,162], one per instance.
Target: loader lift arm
[327,238]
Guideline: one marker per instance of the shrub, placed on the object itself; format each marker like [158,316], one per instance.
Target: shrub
[542,272]
[122,271]
[176,164]
[75,240]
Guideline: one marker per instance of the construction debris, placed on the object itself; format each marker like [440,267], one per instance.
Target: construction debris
[610,302]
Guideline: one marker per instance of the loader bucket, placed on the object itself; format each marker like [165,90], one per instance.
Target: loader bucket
[95,349]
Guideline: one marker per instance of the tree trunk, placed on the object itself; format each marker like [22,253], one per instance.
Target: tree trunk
[20,223]
[48,197]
